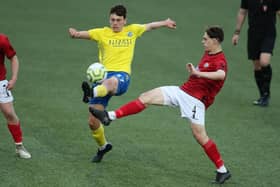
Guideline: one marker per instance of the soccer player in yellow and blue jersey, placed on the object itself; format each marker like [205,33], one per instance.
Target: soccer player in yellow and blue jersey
[116,50]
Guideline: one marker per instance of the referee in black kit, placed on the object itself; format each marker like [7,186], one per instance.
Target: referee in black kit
[261,40]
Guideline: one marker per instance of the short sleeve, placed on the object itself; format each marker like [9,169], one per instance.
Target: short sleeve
[7,47]
[138,29]
[94,34]
[221,65]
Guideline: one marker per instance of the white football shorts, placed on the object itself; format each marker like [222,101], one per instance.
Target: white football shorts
[5,94]
[190,107]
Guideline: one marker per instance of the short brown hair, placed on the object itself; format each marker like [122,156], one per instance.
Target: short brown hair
[119,10]
[215,32]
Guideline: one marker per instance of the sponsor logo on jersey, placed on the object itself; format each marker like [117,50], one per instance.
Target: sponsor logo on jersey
[129,34]
[120,43]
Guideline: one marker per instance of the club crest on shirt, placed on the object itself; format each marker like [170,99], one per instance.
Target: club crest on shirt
[129,34]
[206,65]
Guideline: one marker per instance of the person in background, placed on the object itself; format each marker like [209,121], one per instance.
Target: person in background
[6,97]
[261,37]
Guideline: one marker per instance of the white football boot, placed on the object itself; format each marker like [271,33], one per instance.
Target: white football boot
[22,152]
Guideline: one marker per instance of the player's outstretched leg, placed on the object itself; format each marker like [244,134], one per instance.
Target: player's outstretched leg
[101,152]
[222,177]
[87,91]
[101,115]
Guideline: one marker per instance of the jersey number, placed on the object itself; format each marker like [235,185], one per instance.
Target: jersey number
[194,112]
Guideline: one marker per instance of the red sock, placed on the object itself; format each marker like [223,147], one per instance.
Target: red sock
[15,131]
[211,150]
[130,108]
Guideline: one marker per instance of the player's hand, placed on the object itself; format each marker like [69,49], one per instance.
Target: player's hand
[191,69]
[72,32]
[11,84]
[235,39]
[170,23]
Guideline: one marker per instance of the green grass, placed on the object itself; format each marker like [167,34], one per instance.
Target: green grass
[154,148]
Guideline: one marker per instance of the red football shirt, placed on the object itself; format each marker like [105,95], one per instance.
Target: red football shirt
[7,50]
[205,89]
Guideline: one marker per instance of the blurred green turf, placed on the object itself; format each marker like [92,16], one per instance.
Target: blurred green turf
[154,148]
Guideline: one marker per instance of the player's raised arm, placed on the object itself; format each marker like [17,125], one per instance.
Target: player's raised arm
[169,23]
[74,33]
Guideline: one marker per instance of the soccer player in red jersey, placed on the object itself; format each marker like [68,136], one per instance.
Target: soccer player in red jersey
[193,97]
[6,97]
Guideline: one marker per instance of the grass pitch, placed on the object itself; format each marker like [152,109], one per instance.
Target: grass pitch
[154,148]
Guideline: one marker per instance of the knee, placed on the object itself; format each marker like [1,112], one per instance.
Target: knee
[11,117]
[201,137]
[93,123]
[144,99]
[264,64]
[265,59]
[111,84]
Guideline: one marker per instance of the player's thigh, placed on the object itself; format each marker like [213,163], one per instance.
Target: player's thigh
[121,81]
[111,84]
[153,97]
[6,102]
[190,107]
[5,94]
[9,112]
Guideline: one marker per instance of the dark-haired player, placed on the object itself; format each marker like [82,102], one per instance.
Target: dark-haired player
[116,49]
[193,97]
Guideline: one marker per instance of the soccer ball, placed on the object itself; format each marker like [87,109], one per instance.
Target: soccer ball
[96,72]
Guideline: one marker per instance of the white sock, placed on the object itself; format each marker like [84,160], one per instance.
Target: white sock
[94,91]
[222,169]
[103,147]
[112,115]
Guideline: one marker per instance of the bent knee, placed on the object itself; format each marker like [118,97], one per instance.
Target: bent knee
[111,84]
[93,123]
[201,139]
[200,135]
[145,99]
[11,117]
